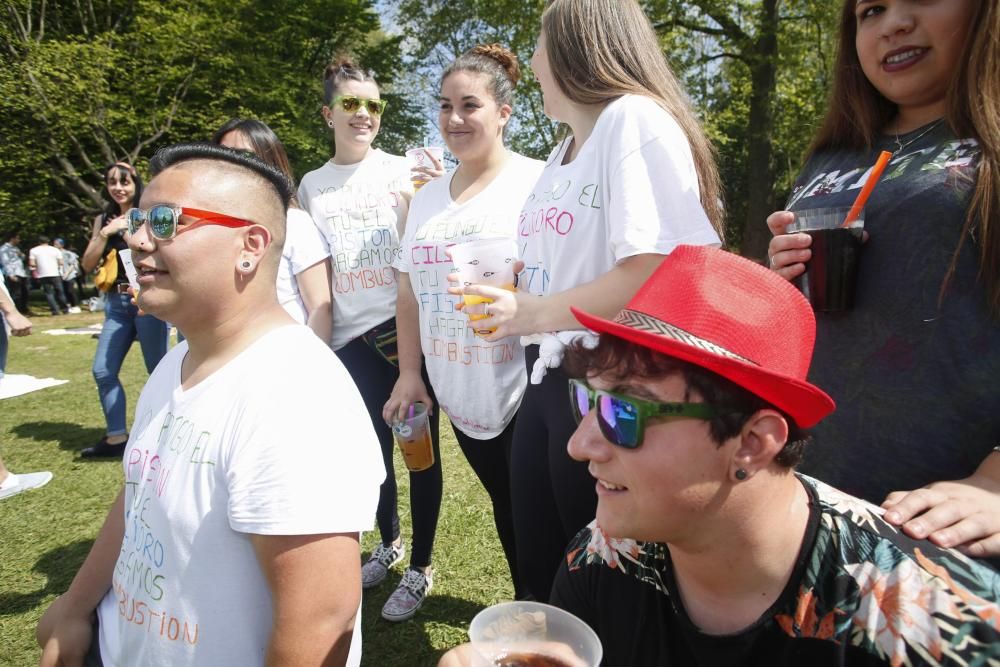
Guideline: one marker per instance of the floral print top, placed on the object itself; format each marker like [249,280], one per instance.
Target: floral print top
[861,593]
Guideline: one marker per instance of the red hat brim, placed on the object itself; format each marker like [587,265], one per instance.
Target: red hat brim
[803,402]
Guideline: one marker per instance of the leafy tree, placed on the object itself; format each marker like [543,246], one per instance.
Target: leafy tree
[83,84]
[758,71]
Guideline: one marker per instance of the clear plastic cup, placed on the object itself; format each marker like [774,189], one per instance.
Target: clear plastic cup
[484,262]
[413,435]
[831,274]
[532,634]
[418,158]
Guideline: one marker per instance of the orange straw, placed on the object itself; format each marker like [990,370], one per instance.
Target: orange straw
[859,203]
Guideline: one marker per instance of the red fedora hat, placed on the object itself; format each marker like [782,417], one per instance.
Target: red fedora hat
[731,316]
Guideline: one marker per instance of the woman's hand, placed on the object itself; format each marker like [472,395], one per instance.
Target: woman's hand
[116,226]
[19,324]
[962,514]
[501,313]
[409,389]
[787,253]
[423,174]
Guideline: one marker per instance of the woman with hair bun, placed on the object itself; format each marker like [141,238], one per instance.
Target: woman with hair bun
[479,384]
[303,286]
[359,200]
[123,323]
[634,179]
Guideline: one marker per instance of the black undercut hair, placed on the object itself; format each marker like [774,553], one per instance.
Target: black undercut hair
[201,150]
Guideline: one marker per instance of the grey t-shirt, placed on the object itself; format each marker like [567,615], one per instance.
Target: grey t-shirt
[916,376]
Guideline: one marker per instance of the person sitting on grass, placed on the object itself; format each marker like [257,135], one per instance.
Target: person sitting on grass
[234,540]
[708,548]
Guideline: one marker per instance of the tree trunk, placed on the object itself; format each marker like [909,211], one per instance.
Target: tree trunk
[760,170]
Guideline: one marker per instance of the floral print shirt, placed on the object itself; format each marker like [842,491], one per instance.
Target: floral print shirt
[861,593]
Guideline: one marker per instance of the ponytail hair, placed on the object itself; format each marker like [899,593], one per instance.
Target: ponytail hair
[342,69]
[497,62]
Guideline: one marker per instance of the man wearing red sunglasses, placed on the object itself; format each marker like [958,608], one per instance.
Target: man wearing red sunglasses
[234,540]
[708,548]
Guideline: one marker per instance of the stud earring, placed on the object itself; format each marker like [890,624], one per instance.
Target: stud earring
[246,264]
[741,474]
[330,123]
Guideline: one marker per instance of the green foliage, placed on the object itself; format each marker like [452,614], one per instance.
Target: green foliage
[116,80]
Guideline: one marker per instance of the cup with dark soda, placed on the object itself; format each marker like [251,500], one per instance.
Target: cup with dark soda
[532,634]
[831,273]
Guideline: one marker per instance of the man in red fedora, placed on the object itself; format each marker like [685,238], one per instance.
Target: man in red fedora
[708,548]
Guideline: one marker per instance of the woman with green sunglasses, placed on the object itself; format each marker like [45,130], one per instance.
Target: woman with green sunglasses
[359,200]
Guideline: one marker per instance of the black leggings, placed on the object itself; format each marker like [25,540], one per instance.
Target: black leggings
[375,378]
[490,460]
[553,495]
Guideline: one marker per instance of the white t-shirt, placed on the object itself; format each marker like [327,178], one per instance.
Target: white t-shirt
[304,246]
[46,259]
[248,450]
[479,384]
[359,208]
[632,189]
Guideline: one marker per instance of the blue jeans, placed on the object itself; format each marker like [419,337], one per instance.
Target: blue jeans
[123,325]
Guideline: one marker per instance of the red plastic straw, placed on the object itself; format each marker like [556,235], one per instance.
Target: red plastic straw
[859,203]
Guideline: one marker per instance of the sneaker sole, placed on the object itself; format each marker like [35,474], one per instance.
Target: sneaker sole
[403,617]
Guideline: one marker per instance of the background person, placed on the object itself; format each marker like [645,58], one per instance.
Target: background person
[255,509]
[12,267]
[46,264]
[359,201]
[303,286]
[914,364]
[635,178]
[122,322]
[70,272]
[481,386]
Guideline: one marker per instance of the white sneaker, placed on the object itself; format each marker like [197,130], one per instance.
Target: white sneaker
[74,310]
[15,484]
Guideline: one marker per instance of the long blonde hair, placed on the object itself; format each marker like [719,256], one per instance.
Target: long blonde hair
[599,50]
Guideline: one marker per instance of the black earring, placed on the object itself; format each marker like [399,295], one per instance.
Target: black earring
[741,474]
[246,264]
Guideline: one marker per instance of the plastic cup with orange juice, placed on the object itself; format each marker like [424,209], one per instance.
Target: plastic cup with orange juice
[419,158]
[413,435]
[484,262]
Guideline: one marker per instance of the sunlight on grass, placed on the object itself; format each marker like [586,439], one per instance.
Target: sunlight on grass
[45,534]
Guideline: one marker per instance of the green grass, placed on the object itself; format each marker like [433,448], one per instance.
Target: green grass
[46,534]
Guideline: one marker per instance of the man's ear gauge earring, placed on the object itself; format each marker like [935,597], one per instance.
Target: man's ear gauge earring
[330,123]
[741,474]
[245,264]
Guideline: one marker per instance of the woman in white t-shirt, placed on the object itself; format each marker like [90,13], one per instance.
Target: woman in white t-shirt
[303,285]
[634,179]
[359,200]
[478,383]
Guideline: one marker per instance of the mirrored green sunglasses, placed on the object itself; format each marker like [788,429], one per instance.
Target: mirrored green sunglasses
[623,418]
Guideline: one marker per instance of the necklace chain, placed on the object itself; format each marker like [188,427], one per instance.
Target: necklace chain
[902,146]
